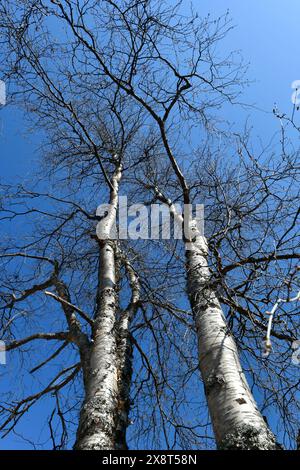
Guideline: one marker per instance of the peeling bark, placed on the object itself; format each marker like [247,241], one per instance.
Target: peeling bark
[236,420]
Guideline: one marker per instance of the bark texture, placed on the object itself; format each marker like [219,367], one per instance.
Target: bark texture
[99,416]
[236,420]
[125,356]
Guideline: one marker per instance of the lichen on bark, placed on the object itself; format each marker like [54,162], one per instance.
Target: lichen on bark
[248,437]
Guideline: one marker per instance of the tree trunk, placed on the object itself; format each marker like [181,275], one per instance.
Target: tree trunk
[99,418]
[125,354]
[236,420]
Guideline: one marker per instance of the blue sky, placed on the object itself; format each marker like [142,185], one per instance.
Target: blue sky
[268,35]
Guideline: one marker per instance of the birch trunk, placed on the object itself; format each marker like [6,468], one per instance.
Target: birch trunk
[99,413]
[236,420]
[125,355]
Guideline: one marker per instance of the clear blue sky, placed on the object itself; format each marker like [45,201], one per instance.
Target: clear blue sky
[267,33]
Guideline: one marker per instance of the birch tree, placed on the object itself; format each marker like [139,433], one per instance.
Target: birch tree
[168,67]
[99,336]
[135,42]
[84,149]
[259,272]
[92,142]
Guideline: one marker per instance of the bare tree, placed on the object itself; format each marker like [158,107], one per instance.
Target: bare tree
[99,336]
[251,259]
[83,149]
[93,144]
[167,66]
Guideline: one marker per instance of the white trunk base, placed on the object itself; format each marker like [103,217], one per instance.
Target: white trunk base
[236,420]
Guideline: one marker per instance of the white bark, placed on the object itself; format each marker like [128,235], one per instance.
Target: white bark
[98,418]
[236,420]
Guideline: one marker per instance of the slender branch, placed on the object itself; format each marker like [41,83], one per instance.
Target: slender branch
[56,353]
[268,344]
[262,259]
[16,413]
[69,304]
[61,335]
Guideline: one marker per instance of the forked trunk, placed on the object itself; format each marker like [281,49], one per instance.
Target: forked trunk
[99,425]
